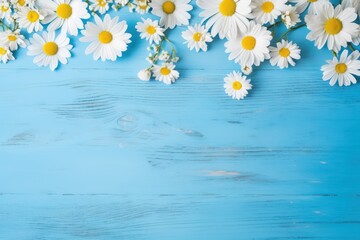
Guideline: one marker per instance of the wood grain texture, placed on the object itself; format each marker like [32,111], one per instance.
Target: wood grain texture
[90,152]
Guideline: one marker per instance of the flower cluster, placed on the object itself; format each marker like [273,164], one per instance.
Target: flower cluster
[247,28]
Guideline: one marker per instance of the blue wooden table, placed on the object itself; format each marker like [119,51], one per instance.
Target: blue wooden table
[91,152]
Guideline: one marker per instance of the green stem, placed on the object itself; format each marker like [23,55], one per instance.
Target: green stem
[351,47]
[290,30]
[273,25]
[334,53]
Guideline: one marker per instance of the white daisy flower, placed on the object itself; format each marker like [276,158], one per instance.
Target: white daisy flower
[172,12]
[197,37]
[334,26]
[23,3]
[142,6]
[236,85]
[144,74]
[65,14]
[164,56]
[108,38]
[165,73]
[101,6]
[284,53]
[290,16]
[30,18]
[267,11]
[5,54]
[226,18]
[342,70]
[150,30]
[5,10]
[314,5]
[121,2]
[251,46]
[352,3]
[49,49]
[13,39]
[247,70]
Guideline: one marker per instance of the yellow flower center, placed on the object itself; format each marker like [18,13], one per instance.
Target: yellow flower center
[311,1]
[237,85]
[21,2]
[50,48]
[333,26]
[4,9]
[3,51]
[248,42]
[12,38]
[143,7]
[165,71]
[267,7]
[227,7]
[102,3]
[340,68]
[64,10]
[151,30]
[105,37]
[197,37]
[168,7]
[33,16]
[284,52]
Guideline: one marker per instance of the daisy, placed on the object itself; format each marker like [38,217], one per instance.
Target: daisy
[226,18]
[352,3]
[197,37]
[23,3]
[107,38]
[342,70]
[102,6]
[172,12]
[67,14]
[334,26]
[236,85]
[144,74]
[30,18]
[165,73]
[49,49]
[290,16]
[5,54]
[13,39]
[142,6]
[266,11]
[150,30]
[314,5]
[284,53]
[5,10]
[251,46]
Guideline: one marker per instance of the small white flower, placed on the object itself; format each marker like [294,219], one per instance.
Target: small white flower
[150,30]
[13,39]
[23,3]
[247,70]
[342,70]
[101,6]
[30,18]
[236,85]
[144,74]
[142,6]
[122,2]
[197,37]
[108,38]
[267,11]
[290,16]
[175,59]
[336,27]
[164,56]
[5,10]
[65,14]
[5,54]
[165,73]
[172,12]
[49,49]
[314,5]
[284,53]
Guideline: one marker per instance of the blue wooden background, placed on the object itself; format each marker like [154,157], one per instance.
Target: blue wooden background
[91,152]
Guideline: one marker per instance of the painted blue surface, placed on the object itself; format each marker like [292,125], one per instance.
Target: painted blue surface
[91,152]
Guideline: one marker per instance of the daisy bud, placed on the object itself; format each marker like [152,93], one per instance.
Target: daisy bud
[247,70]
[144,74]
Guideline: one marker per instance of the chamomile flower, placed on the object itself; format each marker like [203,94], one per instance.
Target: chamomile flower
[236,85]
[284,53]
[65,14]
[352,3]
[108,38]
[290,16]
[247,70]
[314,5]
[142,6]
[5,54]
[121,2]
[226,18]
[101,6]
[342,70]
[267,11]
[23,3]
[165,73]
[150,30]
[335,27]
[197,37]
[13,39]
[49,49]
[144,74]
[251,46]
[30,18]
[172,12]
[5,10]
